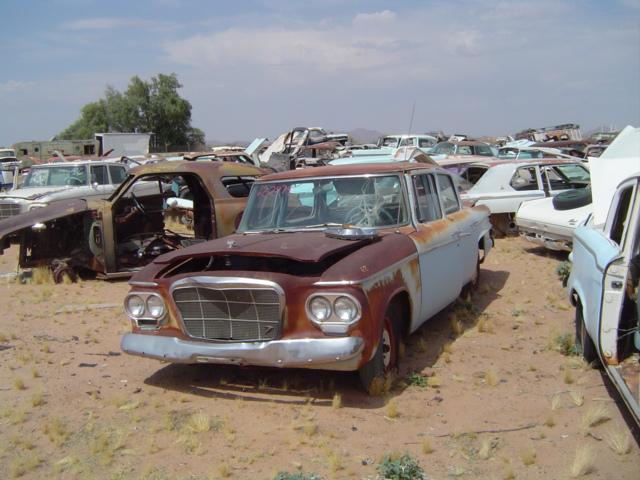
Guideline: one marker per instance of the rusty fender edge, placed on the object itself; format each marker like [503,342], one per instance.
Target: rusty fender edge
[340,353]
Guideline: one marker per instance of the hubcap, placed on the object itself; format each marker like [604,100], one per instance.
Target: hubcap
[386,348]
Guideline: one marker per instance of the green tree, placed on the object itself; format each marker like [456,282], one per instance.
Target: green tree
[145,106]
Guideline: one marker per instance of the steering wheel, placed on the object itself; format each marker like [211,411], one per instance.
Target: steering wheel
[73,181]
[369,216]
[137,204]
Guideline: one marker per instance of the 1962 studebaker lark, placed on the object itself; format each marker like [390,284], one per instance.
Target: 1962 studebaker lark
[329,269]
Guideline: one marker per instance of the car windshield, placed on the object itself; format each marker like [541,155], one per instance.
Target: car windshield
[389,142]
[66,175]
[365,201]
[444,148]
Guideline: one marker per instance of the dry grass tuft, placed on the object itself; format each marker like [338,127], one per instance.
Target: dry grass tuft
[434,382]
[380,386]
[597,414]
[456,326]
[550,421]
[56,431]
[18,384]
[42,276]
[556,401]
[336,403]
[485,325]
[491,378]
[392,409]
[37,400]
[334,462]
[224,470]
[486,448]
[583,462]
[198,422]
[427,447]
[577,397]
[448,348]
[106,444]
[23,464]
[568,377]
[619,441]
[528,456]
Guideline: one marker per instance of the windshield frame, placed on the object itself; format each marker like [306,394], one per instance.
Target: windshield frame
[49,169]
[404,202]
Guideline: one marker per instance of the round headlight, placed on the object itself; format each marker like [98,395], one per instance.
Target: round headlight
[320,309]
[345,308]
[134,306]
[155,306]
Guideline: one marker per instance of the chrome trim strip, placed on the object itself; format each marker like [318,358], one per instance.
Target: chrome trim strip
[341,353]
[142,284]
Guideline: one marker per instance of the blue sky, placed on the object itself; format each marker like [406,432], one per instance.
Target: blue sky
[259,67]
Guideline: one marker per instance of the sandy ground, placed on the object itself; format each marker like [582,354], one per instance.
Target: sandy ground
[482,392]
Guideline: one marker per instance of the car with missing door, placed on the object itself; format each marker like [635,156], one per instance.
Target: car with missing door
[142,219]
[329,269]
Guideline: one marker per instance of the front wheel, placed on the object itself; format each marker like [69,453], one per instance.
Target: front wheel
[375,373]
[583,341]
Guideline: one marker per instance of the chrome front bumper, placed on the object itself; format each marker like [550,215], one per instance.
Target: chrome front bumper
[341,353]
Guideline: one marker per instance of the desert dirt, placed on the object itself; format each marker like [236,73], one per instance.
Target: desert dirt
[482,392]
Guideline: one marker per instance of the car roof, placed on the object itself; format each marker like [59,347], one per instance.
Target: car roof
[530,161]
[351,169]
[204,168]
[76,163]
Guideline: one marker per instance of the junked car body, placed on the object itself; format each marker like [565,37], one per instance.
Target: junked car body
[330,267]
[55,182]
[115,237]
[504,185]
[447,149]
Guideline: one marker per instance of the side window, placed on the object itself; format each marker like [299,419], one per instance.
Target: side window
[448,195]
[427,205]
[484,150]
[238,187]
[525,179]
[99,174]
[620,219]
[118,174]
[555,179]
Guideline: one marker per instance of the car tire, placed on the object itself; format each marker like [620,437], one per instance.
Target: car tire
[576,198]
[374,375]
[583,341]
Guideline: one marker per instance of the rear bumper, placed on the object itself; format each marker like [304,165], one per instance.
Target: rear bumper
[341,353]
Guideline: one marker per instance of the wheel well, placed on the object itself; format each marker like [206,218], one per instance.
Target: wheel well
[401,300]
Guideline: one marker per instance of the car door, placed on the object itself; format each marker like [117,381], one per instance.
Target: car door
[437,247]
[622,228]
[100,184]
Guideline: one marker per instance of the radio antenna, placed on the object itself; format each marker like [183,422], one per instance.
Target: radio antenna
[413,111]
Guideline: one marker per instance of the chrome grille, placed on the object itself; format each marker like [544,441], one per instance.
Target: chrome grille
[233,314]
[9,210]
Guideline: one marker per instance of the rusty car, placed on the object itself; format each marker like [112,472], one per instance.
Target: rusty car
[330,268]
[114,237]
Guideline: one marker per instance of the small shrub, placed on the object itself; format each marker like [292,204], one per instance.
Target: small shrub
[528,456]
[563,270]
[395,467]
[417,379]
[565,344]
[427,447]
[392,409]
[296,476]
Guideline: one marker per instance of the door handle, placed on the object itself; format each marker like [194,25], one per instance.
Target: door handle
[462,234]
[616,284]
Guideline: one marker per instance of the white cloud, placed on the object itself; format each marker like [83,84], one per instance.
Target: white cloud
[113,23]
[375,19]
[11,86]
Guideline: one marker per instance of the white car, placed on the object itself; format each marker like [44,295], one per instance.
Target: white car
[550,222]
[53,182]
[504,185]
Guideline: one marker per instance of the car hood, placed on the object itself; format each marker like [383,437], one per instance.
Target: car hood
[312,246]
[31,193]
[13,225]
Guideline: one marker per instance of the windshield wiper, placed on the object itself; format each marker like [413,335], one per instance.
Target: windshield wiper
[329,224]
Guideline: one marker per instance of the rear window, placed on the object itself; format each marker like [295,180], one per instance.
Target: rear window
[118,174]
[238,187]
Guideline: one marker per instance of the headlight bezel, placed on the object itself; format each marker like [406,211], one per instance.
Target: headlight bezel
[333,324]
[145,319]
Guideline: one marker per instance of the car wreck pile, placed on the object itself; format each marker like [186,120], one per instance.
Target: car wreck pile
[317,253]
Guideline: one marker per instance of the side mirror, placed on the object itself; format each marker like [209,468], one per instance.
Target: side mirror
[94,185]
